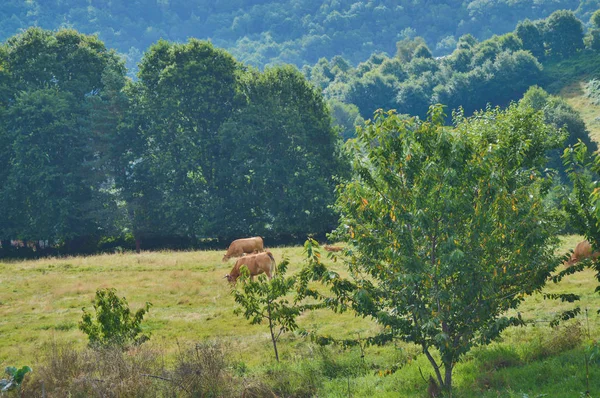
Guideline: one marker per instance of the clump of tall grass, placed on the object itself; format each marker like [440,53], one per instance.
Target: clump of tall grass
[199,371]
[561,338]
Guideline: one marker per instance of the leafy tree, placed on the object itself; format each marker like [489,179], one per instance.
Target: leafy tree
[393,66]
[372,91]
[412,99]
[346,117]
[563,34]
[113,323]
[593,37]
[185,92]
[422,52]
[466,42]
[459,60]
[278,158]
[532,38]
[405,48]
[583,169]
[53,184]
[267,301]
[560,114]
[595,19]
[417,274]
[510,42]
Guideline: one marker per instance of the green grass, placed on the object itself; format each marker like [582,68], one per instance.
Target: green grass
[41,301]
[559,74]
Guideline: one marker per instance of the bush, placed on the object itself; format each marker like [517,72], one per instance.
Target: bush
[113,324]
[592,91]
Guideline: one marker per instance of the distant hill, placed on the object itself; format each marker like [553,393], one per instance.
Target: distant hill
[300,32]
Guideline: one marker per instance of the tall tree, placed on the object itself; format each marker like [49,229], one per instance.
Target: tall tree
[532,38]
[185,92]
[447,226]
[563,34]
[279,155]
[54,183]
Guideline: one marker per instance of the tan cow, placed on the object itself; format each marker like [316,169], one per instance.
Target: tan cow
[582,251]
[256,264]
[239,247]
[330,248]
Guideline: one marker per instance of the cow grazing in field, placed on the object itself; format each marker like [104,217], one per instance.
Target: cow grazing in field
[256,264]
[582,251]
[240,247]
[330,248]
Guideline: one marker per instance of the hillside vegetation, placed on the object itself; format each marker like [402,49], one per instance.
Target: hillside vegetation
[265,32]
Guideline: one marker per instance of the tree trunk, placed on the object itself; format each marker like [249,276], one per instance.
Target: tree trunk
[273,339]
[436,367]
[138,245]
[448,379]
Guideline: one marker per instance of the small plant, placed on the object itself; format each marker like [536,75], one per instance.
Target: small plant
[113,323]
[266,300]
[15,378]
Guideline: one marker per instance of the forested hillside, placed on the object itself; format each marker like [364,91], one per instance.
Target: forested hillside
[298,31]
[474,75]
[202,146]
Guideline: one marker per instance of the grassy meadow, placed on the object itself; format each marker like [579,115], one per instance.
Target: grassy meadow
[41,302]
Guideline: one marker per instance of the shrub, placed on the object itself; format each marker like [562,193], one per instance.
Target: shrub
[113,323]
[592,91]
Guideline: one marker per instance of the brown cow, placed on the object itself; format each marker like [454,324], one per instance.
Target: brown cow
[247,245]
[330,248]
[582,251]
[256,264]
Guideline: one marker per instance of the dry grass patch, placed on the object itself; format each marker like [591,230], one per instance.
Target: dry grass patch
[575,95]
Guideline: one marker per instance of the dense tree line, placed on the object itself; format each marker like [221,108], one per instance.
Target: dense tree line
[494,71]
[298,31]
[198,147]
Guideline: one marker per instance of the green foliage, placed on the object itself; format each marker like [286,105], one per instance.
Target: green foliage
[346,117]
[582,205]
[278,155]
[560,114]
[266,301]
[563,34]
[54,159]
[532,37]
[422,52]
[112,323]
[15,378]
[595,19]
[414,272]
[592,91]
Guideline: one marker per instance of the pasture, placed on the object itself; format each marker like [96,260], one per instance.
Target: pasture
[41,302]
